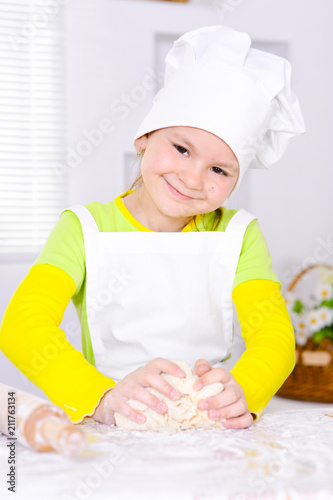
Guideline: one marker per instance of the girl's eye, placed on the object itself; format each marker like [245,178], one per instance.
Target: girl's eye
[219,170]
[181,149]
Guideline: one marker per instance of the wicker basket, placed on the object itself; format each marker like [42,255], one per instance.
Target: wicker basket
[312,377]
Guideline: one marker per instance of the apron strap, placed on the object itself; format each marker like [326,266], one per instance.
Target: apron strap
[239,222]
[87,221]
[236,230]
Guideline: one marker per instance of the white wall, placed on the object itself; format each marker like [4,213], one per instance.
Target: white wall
[109,48]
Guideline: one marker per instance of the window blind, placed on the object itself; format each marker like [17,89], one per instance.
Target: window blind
[32,123]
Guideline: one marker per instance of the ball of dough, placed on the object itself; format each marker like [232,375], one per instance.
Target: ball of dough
[181,414]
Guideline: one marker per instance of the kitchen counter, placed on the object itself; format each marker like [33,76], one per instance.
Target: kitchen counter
[283,404]
[287,454]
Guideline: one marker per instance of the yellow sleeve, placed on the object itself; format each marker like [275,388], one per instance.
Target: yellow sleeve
[31,338]
[270,343]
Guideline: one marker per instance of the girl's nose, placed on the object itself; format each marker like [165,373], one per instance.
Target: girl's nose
[192,176]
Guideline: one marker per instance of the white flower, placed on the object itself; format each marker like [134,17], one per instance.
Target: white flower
[324,292]
[301,338]
[326,316]
[300,325]
[314,321]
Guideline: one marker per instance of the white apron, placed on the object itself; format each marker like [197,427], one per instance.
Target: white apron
[155,294]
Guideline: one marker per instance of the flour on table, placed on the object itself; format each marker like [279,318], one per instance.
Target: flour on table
[181,414]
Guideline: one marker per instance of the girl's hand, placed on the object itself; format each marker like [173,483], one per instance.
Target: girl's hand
[230,404]
[134,386]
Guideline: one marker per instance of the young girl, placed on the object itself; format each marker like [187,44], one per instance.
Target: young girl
[153,273]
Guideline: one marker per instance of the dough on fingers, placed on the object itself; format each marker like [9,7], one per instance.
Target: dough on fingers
[181,414]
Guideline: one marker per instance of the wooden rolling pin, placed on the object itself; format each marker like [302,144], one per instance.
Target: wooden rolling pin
[38,424]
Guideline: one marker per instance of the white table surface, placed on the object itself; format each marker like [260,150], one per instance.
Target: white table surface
[286,455]
[283,404]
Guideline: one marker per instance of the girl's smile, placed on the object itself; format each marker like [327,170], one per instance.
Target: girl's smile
[177,193]
[186,172]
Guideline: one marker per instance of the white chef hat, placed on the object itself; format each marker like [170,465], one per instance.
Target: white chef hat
[214,81]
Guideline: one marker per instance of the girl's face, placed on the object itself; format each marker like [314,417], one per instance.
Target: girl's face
[186,171]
